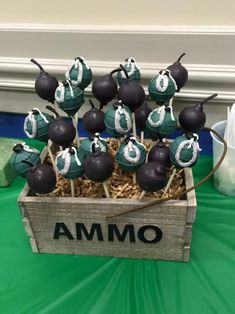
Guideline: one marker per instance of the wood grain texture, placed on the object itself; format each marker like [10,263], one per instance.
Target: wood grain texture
[174,218]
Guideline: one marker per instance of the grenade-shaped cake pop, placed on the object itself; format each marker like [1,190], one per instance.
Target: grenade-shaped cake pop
[151,177]
[69,163]
[105,88]
[193,119]
[132,70]
[184,150]
[141,116]
[163,87]
[36,124]
[45,84]
[161,122]
[160,153]
[93,143]
[131,155]
[61,131]
[93,120]
[118,119]
[98,166]
[24,152]
[69,97]
[131,94]
[179,73]
[41,178]
[79,73]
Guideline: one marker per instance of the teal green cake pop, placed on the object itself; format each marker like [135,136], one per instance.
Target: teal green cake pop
[163,87]
[161,122]
[69,97]
[132,70]
[36,124]
[24,152]
[118,119]
[69,163]
[99,144]
[131,155]
[79,73]
[184,150]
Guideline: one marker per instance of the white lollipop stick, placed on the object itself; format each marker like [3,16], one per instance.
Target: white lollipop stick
[169,183]
[142,195]
[106,190]
[142,137]
[133,125]
[72,188]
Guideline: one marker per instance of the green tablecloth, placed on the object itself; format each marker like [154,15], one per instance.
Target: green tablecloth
[44,283]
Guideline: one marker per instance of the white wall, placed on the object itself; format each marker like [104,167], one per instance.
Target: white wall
[138,12]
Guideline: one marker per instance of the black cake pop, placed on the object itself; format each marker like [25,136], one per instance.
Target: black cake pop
[61,131]
[45,84]
[105,88]
[131,94]
[41,178]
[93,120]
[151,177]
[160,153]
[179,73]
[141,116]
[98,166]
[193,119]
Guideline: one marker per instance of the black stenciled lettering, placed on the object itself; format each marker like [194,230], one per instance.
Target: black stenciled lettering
[81,229]
[142,237]
[128,229]
[62,230]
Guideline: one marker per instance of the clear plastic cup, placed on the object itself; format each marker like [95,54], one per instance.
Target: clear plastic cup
[224,177]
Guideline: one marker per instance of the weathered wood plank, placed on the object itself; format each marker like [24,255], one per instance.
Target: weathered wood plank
[141,240]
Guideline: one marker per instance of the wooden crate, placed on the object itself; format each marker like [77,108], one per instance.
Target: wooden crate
[79,225]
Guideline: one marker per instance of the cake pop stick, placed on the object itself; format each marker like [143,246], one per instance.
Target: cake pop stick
[169,183]
[49,143]
[106,189]
[134,125]
[75,123]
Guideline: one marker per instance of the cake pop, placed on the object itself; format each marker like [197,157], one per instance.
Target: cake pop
[93,120]
[41,178]
[161,122]
[94,142]
[36,124]
[193,119]
[131,155]
[163,87]
[184,150]
[132,69]
[45,84]
[151,177]
[179,73]
[79,73]
[98,167]
[61,132]
[69,163]
[105,88]
[160,153]
[118,119]
[69,97]
[21,152]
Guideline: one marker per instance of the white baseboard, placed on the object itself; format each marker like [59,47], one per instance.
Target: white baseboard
[209,58]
